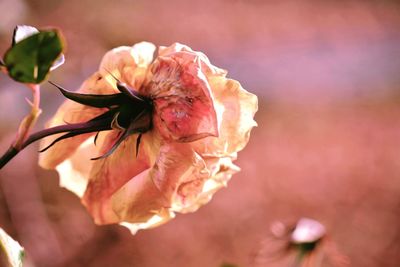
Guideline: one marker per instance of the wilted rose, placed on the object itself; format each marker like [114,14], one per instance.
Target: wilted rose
[200,120]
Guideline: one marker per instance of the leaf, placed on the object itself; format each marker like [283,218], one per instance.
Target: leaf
[22,32]
[30,60]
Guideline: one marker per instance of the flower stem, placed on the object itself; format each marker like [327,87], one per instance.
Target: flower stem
[10,153]
[25,126]
[78,128]
[29,121]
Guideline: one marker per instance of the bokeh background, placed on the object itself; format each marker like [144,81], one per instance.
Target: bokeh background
[327,145]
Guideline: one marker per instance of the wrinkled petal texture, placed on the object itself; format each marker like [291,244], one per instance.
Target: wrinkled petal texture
[201,119]
[184,104]
[236,108]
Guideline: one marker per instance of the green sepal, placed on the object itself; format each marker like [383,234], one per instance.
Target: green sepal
[30,60]
[93,100]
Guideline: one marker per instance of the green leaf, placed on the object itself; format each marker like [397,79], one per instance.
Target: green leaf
[30,60]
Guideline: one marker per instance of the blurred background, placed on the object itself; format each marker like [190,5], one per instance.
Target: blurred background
[327,145]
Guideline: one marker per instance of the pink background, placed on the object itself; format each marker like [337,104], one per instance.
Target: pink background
[327,145]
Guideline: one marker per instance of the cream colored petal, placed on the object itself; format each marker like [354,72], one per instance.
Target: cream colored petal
[221,170]
[155,191]
[74,171]
[236,108]
[175,47]
[184,109]
[184,51]
[128,64]
[109,174]
[154,221]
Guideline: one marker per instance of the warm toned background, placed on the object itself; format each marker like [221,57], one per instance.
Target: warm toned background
[327,74]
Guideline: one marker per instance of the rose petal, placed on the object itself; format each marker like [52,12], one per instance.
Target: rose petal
[221,170]
[189,55]
[184,109]
[109,174]
[155,191]
[128,64]
[236,108]
[74,171]
[154,221]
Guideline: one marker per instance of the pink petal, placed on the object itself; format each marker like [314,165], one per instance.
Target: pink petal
[184,109]
[184,51]
[109,174]
[158,191]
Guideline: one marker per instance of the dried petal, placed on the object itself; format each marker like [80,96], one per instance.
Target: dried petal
[235,108]
[128,64]
[184,109]
[189,55]
[109,174]
[157,190]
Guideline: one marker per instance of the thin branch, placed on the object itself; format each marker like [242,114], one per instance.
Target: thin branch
[29,121]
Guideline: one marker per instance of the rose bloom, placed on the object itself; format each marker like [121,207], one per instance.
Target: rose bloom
[200,120]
